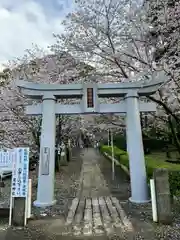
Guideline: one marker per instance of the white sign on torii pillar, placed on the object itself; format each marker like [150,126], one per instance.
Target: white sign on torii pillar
[89,94]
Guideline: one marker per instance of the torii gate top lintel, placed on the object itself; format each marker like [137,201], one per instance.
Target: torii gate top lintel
[37,90]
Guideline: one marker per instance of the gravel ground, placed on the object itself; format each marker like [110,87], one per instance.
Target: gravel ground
[170,232]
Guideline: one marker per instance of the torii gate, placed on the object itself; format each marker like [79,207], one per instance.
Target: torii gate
[89,94]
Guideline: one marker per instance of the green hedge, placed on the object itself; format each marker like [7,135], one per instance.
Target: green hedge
[152,144]
[151,164]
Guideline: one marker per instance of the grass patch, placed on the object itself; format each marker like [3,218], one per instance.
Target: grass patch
[151,162]
[161,156]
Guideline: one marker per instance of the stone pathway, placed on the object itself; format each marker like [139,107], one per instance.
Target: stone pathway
[92,180]
[94,212]
[102,216]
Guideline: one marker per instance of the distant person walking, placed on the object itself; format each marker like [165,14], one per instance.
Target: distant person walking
[86,144]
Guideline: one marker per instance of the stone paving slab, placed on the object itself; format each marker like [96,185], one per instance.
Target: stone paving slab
[92,180]
[101,216]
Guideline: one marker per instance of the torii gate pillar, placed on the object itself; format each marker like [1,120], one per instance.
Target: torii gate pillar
[139,190]
[47,153]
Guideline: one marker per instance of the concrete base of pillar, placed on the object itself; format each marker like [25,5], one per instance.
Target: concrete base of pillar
[139,201]
[44,204]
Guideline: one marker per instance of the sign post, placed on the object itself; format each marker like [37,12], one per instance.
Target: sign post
[19,187]
[108,138]
[29,199]
[112,151]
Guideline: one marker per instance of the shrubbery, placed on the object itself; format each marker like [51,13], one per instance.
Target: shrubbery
[151,164]
[152,144]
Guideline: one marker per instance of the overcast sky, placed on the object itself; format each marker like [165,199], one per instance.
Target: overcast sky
[23,22]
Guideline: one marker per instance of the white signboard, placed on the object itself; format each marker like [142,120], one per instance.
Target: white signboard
[6,159]
[20,172]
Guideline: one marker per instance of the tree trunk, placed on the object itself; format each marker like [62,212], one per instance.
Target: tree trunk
[58,142]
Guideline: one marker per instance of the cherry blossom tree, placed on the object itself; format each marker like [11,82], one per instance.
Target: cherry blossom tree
[164,35]
[104,41]
[17,129]
[119,40]
[110,35]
